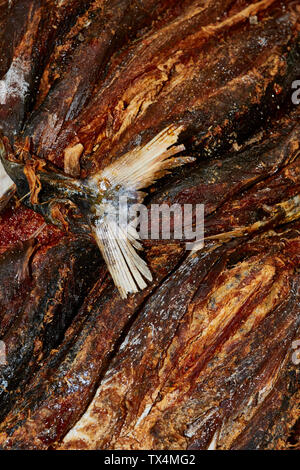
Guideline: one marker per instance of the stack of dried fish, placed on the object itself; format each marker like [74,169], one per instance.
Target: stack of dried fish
[105,94]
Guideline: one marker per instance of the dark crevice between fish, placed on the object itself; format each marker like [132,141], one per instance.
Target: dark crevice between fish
[46,332]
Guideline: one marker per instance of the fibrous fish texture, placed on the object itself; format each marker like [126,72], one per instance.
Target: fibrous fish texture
[99,199]
[161,102]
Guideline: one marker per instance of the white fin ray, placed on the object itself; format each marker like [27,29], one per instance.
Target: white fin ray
[133,171]
[123,262]
[144,165]
[133,237]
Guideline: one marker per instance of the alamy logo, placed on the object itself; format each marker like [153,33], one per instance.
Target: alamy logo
[296,353]
[158,222]
[3,360]
[296,94]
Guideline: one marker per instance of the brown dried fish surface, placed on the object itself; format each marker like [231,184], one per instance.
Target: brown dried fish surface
[203,356]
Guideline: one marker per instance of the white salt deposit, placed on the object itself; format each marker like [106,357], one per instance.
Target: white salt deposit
[13,83]
[5,181]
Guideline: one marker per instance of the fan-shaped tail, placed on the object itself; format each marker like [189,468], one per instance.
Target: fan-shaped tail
[133,171]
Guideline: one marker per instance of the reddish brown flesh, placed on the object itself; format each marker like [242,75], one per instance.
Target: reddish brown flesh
[204,354]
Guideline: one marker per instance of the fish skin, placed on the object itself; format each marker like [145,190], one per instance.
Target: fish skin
[104,315]
[61,387]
